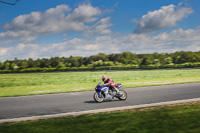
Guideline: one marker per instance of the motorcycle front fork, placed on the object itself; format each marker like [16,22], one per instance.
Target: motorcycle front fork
[99,94]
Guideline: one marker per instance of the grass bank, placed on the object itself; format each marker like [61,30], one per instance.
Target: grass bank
[46,83]
[166,119]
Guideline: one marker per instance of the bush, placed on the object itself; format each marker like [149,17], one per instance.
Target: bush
[112,67]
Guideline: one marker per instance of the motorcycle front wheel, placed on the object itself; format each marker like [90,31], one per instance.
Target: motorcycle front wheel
[124,95]
[98,98]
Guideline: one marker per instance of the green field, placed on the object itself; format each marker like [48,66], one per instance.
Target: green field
[60,82]
[181,119]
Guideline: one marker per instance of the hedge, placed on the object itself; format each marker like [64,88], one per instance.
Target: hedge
[121,67]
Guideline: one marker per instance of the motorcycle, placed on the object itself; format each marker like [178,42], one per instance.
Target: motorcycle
[105,93]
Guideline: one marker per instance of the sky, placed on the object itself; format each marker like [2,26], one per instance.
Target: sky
[63,28]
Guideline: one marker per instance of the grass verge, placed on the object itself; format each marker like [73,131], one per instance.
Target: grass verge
[182,118]
[47,83]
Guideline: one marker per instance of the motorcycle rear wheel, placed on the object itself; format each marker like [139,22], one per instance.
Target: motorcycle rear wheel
[97,98]
[124,96]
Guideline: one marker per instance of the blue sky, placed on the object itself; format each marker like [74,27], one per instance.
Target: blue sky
[44,29]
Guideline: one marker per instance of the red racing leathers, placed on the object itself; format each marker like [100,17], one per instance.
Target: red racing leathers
[110,82]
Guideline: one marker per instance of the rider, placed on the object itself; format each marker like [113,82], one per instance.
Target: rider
[109,81]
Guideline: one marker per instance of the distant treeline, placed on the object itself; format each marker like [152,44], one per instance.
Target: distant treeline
[101,61]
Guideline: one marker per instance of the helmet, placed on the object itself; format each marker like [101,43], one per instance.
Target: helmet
[104,78]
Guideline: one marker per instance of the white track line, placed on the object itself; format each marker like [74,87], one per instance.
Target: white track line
[97,111]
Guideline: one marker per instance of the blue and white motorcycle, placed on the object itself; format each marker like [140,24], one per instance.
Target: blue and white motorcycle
[104,92]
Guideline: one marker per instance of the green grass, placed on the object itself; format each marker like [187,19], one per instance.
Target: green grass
[179,119]
[45,83]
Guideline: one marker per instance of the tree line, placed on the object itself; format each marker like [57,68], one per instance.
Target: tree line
[104,60]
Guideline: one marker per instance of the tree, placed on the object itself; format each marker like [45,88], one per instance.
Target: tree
[108,63]
[168,60]
[86,61]
[146,61]
[38,62]
[98,63]
[1,66]
[44,63]
[31,63]
[143,62]
[17,62]
[128,58]
[100,56]
[156,61]
[114,57]
[54,61]
[6,65]
[60,65]
[180,57]
[75,61]
[102,59]
[14,66]
[67,64]
[24,64]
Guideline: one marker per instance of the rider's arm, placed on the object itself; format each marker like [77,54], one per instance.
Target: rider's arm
[109,82]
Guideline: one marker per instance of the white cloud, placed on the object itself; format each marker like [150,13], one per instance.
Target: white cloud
[187,40]
[165,17]
[84,13]
[101,27]
[3,52]
[190,35]
[54,20]
[6,42]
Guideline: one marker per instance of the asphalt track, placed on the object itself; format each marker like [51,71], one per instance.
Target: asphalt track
[40,105]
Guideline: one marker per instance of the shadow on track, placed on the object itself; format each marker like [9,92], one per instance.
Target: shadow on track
[92,101]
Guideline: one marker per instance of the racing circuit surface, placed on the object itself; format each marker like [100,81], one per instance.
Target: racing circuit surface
[39,105]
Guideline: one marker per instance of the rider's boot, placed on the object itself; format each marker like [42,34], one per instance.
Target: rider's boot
[118,93]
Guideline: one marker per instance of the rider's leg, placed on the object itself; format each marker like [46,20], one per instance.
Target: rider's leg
[114,88]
